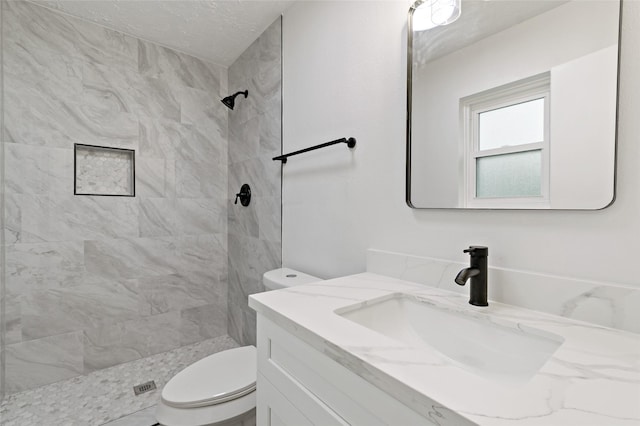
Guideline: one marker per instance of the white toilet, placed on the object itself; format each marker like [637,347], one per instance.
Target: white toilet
[220,389]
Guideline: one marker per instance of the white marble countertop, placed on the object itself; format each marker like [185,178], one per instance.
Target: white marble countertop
[593,378]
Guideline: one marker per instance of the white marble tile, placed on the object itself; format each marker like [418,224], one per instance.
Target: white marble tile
[269,218]
[205,112]
[270,133]
[252,257]
[244,140]
[104,395]
[196,143]
[43,361]
[200,179]
[113,344]
[38,170]
[270,44]
[241,76]
[242,220]
[98,302]
[35,117]
[12,218]
[206,252]
[263,174]
[12,319]
[34,27]
[178,68]
[69,218]
[241,320]
[203,322]
[607,304]
[151,177]
[130,258]
[268,81]
[157,217]
[43,266]
[196,216]
[136,94]
[159,137]
[60,75]
[180,292]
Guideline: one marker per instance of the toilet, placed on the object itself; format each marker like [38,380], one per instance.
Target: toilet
[220,389]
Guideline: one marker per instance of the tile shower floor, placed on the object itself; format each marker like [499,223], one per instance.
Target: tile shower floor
[105,397]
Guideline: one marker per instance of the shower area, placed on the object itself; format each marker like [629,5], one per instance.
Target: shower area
[124,257]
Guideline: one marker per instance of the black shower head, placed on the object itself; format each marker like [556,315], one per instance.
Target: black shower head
[230,101]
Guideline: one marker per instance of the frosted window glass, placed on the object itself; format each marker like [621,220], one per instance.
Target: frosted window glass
[512,125]
[509,175]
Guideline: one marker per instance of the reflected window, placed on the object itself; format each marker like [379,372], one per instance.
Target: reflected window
[506,146]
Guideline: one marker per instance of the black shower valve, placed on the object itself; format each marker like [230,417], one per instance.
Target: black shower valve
[244,195]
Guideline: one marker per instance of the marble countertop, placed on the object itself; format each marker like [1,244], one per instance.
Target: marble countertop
[593,378]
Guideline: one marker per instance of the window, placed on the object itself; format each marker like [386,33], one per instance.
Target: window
[506,145]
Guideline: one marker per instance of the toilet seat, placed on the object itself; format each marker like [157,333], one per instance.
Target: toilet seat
[218,378]
[212,391]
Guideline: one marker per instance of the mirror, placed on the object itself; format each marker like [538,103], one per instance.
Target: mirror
[513,106]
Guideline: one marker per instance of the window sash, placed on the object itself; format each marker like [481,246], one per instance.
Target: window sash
[533,88]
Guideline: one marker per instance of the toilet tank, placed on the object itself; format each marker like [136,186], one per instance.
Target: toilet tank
[285,277]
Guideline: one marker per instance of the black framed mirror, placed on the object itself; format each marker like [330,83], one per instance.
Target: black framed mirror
[513,105]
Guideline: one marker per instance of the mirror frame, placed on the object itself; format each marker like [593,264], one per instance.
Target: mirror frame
[408,126]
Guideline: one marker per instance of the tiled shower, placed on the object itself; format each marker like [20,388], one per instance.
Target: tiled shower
[95,281]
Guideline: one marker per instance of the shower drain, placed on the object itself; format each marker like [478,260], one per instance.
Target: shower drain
[145,387]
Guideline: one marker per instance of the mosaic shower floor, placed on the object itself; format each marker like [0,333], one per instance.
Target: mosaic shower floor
[105,397]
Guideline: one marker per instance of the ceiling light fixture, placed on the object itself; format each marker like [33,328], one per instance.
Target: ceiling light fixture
[429,14]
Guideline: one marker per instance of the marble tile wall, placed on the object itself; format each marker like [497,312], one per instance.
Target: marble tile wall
[254,139]
[2,267]
[97,281]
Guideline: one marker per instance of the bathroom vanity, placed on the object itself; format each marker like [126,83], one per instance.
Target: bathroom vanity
[372,350]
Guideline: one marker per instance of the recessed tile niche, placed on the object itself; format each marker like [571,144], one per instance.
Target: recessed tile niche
[101,170]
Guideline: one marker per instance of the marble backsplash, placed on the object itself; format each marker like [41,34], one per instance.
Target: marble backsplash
[607,304]
[254,138]
[93,282]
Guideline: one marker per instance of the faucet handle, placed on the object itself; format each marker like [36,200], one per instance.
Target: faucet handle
[477,251]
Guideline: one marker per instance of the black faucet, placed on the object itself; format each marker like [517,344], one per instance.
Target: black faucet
[477,271]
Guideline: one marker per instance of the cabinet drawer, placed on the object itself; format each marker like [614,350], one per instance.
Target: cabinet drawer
[298,399]
[352,400]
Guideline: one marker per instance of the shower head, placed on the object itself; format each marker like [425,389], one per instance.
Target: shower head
[230,101]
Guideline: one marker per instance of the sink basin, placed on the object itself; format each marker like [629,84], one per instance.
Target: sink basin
[473,343]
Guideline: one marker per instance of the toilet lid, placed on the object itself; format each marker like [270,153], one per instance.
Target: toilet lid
[217,378]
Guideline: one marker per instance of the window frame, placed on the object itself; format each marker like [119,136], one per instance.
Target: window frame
[529,89]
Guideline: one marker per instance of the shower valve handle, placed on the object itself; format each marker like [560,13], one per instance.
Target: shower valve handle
[244,195]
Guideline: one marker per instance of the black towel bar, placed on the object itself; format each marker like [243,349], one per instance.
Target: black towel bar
[351,142]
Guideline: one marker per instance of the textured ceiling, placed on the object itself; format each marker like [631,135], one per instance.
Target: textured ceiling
[215,30]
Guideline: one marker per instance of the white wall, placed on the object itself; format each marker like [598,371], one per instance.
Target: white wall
[344,75]
[583,131]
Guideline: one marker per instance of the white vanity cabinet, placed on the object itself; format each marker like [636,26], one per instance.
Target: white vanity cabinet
[320,365]
[298,385]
